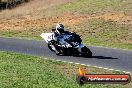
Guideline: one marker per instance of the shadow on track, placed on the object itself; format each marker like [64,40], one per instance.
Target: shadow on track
[96,57]
[103,57]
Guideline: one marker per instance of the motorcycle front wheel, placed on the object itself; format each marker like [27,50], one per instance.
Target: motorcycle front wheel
[51,48]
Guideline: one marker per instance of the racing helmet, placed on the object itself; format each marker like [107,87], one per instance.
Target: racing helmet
[59,29]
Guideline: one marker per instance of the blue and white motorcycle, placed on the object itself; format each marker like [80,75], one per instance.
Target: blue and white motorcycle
[68,45]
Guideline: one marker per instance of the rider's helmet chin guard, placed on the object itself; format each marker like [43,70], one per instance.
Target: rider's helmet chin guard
[59,29]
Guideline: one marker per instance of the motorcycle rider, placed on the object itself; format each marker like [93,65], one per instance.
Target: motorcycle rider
[57,32]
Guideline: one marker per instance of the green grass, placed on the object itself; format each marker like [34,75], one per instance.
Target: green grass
[25,71]
[89,5]
[93,6]
[100,32]
[27,34]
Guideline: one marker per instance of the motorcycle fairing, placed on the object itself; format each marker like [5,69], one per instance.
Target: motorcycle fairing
[47,37]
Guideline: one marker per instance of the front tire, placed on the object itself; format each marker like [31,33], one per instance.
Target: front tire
[59,52]
[50,48]
[86,52]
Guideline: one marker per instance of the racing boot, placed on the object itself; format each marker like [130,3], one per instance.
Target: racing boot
[58,50]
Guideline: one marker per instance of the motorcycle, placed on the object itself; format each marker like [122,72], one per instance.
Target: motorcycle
[68,45]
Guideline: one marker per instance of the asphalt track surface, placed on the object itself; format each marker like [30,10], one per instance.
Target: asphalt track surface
[102,57]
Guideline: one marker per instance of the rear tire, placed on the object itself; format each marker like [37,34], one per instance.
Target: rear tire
[86,52]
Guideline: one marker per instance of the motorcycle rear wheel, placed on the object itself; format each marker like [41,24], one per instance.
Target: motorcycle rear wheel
[86,52]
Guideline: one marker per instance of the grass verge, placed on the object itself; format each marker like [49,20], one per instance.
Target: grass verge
[99,32]
[25,71]
[93,7]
